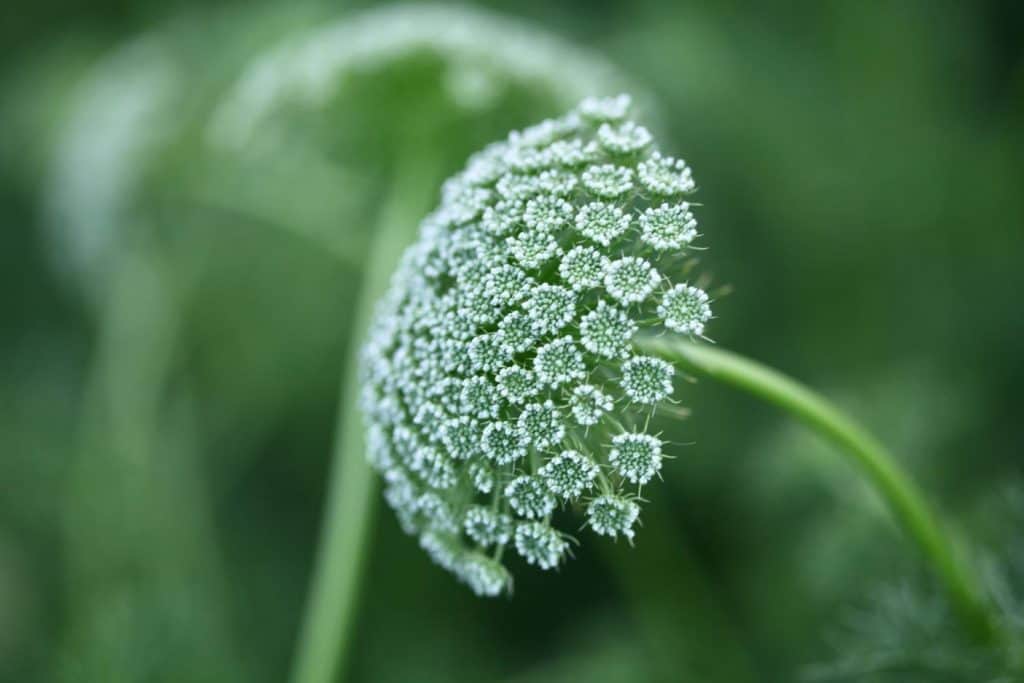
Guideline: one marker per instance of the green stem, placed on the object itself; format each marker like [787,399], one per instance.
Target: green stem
[906,501]
[324,639]
[119,421]
[129,540]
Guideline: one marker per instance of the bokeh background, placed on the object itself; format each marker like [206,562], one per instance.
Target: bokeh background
[182,241]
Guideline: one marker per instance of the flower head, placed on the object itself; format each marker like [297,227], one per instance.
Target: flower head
[625,138]
[637,457]
[599,109]
[569,474]
[559,362]
[485,576]
[607,330]
[602,222]
[533,248]
[550,308]
[608,181]
[646,379]
[539,544]
[548,212]
[516,384]
[518,330]
[530,497]
[630,279]
[669,226]
[685,309]
[589,404]
[612,515]
[503,443]
[542,425]
[665,176]
[583,267]
[501,379]
[487,527]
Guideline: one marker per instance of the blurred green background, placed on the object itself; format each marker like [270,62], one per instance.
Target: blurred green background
[182,244]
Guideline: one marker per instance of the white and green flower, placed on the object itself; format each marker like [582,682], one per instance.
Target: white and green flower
[501,378]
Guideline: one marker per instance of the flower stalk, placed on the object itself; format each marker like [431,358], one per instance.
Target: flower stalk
[325,639]
[904,499]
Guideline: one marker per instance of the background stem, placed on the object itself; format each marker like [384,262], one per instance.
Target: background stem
[132,547]
[324,638]
[906,501]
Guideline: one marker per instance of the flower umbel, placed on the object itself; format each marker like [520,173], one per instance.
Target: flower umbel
[501,382]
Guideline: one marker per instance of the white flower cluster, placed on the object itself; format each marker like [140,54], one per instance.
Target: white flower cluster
[501,381]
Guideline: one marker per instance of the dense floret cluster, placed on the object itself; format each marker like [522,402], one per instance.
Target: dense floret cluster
[501,379]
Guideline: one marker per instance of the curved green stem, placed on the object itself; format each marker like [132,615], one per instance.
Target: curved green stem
[323,640]
[906,501]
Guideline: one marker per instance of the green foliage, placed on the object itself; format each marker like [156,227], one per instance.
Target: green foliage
[181,258]
[907,633]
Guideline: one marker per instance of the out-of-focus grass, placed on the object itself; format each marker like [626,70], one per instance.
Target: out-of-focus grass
[859,169]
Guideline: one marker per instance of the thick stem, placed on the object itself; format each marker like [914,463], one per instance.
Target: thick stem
[906,501]
[324,639]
